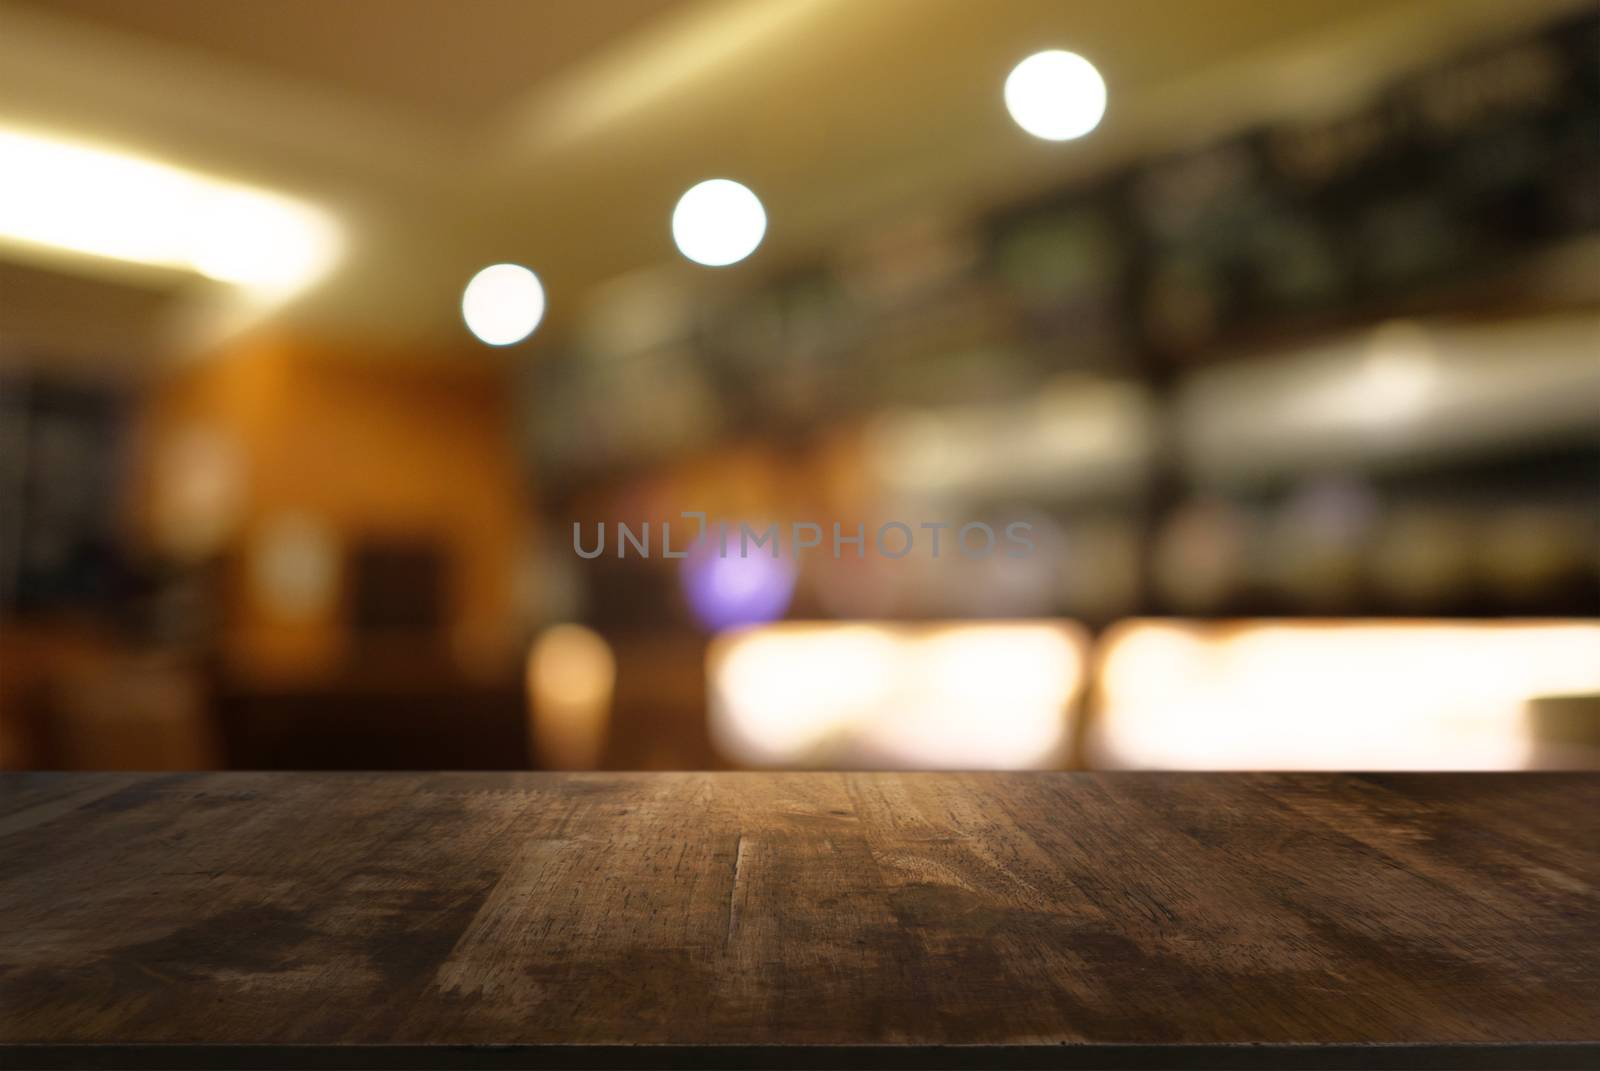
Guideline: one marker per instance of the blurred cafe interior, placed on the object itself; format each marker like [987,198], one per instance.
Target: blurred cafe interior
[331,333]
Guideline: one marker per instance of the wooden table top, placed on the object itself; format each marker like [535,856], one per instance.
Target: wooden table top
[807,919]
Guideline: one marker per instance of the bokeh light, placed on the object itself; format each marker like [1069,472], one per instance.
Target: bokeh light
[718,222]
[725,591]
[503,304]
[1056,95]
[992,695]
[1353,695]
[571,674]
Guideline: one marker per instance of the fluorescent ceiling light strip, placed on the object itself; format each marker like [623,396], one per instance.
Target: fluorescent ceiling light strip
[110,204]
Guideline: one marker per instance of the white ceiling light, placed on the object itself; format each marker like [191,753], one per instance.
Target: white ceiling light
[110,204]
[1056,95]
[503,304]
[718,222]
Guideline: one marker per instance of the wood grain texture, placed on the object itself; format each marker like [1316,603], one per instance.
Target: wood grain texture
[687,919]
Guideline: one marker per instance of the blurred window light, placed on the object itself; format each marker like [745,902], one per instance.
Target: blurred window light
[1349,695]
[571,676]
[503,304]
[718,222]
[1056,95]
[982,696]
[109,204]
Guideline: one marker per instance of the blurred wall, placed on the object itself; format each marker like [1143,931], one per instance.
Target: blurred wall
[283,458]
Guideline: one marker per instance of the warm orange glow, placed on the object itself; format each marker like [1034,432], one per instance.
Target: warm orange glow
[571,671]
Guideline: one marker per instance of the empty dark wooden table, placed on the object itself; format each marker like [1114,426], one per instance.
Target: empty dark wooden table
[799,920]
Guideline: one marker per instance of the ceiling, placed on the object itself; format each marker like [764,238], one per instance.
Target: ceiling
[448,62]
[446,136]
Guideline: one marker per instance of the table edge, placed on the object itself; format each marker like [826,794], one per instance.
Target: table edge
[1075,1056]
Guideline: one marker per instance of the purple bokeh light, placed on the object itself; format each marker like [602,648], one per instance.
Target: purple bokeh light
[729,591]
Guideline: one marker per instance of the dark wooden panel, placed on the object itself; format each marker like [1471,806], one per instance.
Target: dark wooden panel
[1104,920]
[415,718]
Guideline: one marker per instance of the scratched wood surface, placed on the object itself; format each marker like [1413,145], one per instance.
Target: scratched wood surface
[1036,916]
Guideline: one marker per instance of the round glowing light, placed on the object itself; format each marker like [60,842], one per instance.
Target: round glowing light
[1056,95]
[718,222]
[503,304]
[571,676]
[728,591]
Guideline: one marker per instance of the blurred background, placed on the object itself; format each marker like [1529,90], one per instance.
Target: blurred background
[1292,361]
